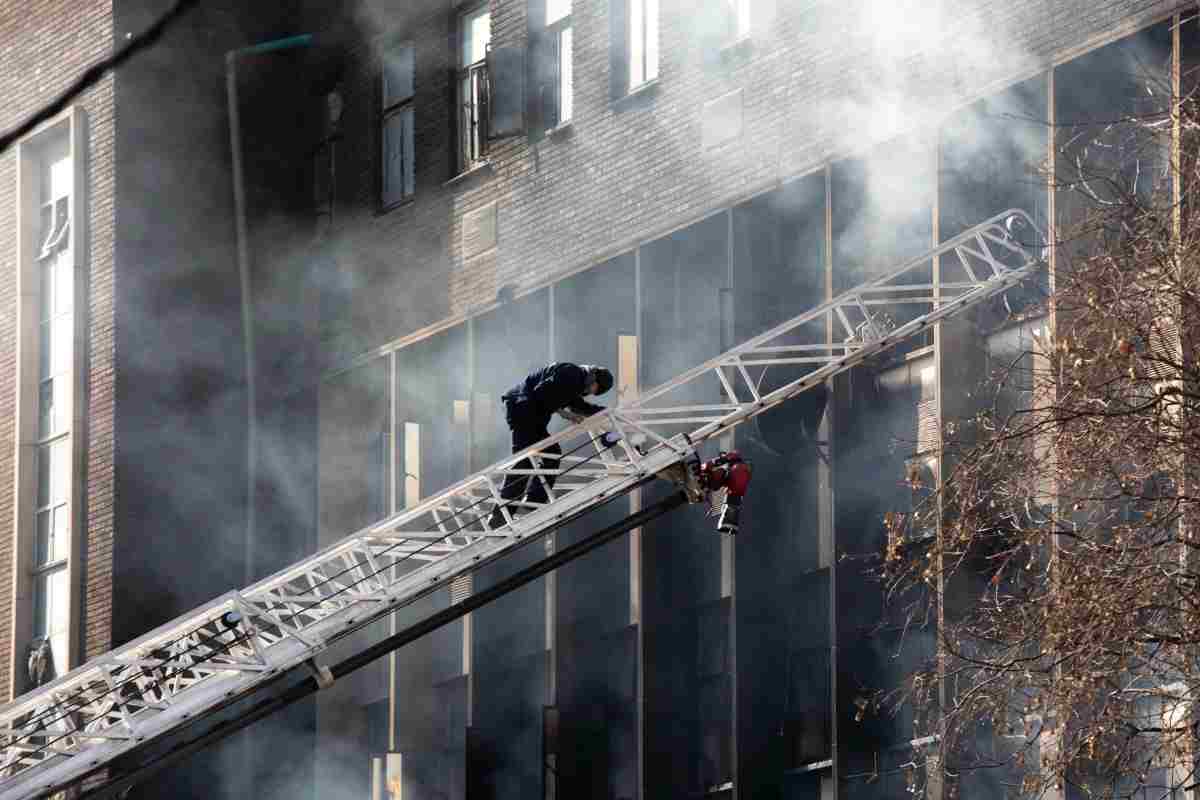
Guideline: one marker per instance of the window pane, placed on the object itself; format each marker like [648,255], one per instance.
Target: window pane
[60,176]
[476,32]
[47,416]
[556,10]
[45,538]
[393,159]
[398,156]
[409,161]
[566,78]
[44,344]
[60,533]
[397,75]
[50,603]
[637,41]
[45,409]
[62,217]
[53,534]
[43,480]
[56,170]
[45,226]
[64,282]
[62,328]
[41,601]
[651,39]
[47,289]
[60,470]
[465,122]
[51,615]
[739,12]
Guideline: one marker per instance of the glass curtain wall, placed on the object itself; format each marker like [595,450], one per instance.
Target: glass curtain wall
[688,659]
[779,271]
[596,638]
[431,453]
[509,654]
[681,299]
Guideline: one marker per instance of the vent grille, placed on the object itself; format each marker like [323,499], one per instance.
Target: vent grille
[1164,349]
[927,425]
[461,588]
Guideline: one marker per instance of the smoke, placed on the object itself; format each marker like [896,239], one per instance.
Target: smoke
[180,489]
[899,67]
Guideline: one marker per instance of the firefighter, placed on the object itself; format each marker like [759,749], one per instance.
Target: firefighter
[557,388]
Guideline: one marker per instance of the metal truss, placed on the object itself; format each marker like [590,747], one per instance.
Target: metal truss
[187,668]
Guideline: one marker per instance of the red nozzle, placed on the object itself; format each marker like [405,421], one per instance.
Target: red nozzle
[738,479]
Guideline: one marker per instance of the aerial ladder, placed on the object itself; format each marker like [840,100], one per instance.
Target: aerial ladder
[234,646]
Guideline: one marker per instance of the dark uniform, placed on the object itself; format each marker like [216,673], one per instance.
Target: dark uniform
[528,407]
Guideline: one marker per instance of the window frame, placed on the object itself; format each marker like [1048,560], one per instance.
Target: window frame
[472,140]
[388,112]
[49,262]
[553,32]
[650,23]
[742,18]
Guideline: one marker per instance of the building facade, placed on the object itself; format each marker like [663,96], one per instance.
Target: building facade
[643,183]
[58,259]
[445,197]
[122,381]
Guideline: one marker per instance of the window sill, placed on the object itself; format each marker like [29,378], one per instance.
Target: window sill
[719,788]
[49,566]
[813,767]
[642,93]
[737,50]
[920,352]
[560,131]
[483,168]
[408,201]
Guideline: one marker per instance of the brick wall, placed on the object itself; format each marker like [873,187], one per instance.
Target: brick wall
[821,80]
[101,377]
[43,45]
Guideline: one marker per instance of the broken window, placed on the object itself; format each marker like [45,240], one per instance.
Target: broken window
[397,182]
[475,32]
[55,222]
